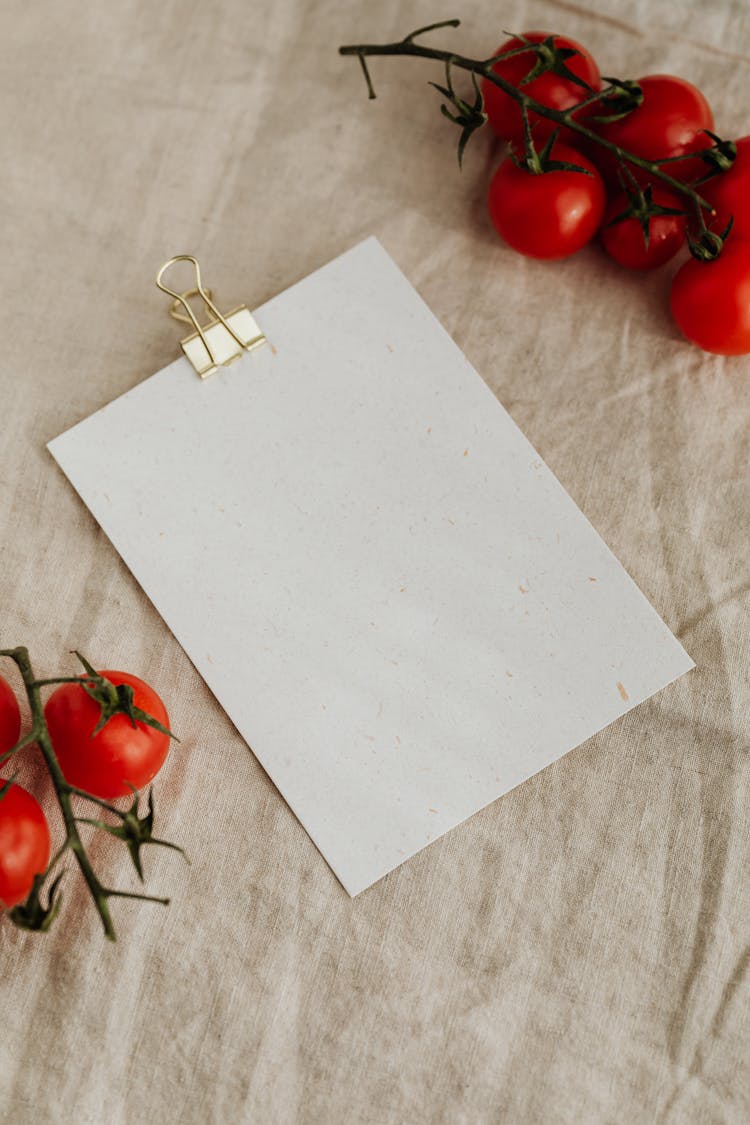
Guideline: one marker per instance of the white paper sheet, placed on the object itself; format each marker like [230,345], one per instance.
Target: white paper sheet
[396,602]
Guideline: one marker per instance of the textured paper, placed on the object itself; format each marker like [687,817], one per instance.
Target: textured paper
[394,599]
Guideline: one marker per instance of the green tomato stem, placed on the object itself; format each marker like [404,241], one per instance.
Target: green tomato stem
[97,801]
[27,740]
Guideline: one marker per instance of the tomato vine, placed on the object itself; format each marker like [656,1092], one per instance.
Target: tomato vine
[130,826]
[616,98]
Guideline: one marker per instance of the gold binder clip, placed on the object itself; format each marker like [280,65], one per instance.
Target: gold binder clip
[224,338]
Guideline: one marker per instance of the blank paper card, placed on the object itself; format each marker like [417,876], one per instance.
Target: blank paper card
[394,599]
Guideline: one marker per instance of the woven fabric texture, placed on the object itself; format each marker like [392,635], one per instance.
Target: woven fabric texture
[580,950]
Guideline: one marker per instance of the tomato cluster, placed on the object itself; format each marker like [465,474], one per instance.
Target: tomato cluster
[107,759]
[556,189]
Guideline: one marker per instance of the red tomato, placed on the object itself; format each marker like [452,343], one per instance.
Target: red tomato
[10,717]
[625,240]
[669,122]
[551,214]
[24,844]
[729,193]
[120,755]
[553,90]
[711,300]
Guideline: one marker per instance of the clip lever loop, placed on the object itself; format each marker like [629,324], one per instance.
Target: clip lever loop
[245,342]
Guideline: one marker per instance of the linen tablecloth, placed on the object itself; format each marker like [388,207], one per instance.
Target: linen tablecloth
[580,950]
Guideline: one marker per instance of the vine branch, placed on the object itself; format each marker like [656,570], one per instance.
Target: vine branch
[134,830]
[527,104]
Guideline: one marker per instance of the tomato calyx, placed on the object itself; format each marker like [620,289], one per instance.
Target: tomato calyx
[643,208]
[537,162]
[719,157]
[468,116]
[135,830]
[709,243]
[624,96]
[116,700]
[32,914]
[550,59]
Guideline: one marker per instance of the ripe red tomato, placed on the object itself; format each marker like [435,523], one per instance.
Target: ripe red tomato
[119,755]
[10,717]
[551,214]
[550,89]
[669,122]
[711,300]
[24,844]
[625,240]
[729,193]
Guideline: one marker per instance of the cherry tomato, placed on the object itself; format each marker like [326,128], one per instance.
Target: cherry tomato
[120,755]
[550,89]
[551,214]
[10,717]
[24,844]
[729,194]
[669,122]
[711,300]
[625,240]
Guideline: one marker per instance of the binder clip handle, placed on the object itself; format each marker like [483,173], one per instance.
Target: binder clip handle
[224,338]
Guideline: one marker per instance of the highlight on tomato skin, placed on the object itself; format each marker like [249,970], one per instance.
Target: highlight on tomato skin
[549,215]
[710,301]
[24,844]
[549,89]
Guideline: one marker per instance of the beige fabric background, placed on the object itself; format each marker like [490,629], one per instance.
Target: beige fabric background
[579,951]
